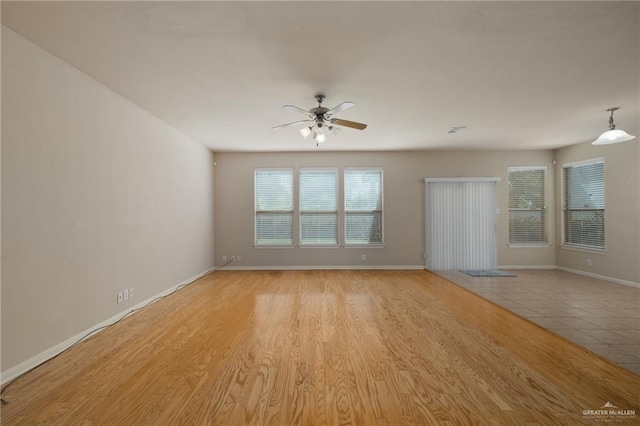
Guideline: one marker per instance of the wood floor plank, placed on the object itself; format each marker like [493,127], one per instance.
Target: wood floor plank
[321,347]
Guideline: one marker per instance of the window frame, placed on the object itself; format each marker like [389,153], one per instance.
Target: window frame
[565,207]
[543,210]
[257,212]
[301,212]
[376,244]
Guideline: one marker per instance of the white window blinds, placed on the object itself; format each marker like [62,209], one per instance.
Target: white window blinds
[363,206]
[584,204]
[318,206]
[274,207]
[527,206]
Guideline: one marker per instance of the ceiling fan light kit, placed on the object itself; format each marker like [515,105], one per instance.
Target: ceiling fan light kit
[320,119]
[306,131]
[613,135]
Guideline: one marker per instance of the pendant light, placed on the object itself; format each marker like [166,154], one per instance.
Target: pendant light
[613,135]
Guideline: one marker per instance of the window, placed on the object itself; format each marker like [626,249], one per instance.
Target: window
[320,219]
[363,206]
[584,204]
[527,210]
[318,206]
[274,207]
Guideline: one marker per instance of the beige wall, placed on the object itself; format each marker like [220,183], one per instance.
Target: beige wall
[97,196]
[621,259]
[403,205]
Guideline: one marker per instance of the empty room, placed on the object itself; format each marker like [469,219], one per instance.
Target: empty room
[320,212]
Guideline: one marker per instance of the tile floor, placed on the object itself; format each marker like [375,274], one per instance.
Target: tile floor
[603,317]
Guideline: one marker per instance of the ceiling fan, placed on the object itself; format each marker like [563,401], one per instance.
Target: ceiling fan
[320,119]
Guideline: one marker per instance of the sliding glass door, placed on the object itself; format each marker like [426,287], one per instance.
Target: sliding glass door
[460,223]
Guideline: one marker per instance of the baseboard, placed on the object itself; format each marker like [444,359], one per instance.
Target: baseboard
[45,355]
[599,277]
[526,266]
[316,267]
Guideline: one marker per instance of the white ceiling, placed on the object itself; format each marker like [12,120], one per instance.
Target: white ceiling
[518,75]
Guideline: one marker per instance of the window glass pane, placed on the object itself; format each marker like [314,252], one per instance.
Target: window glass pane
[363,228]
[527,226]
[318,190]
[318,206]
[319,228]
[274,206]
[363,190]
[274,228]
[526,189]
[274,190]
[363,206]
[585,188]
[585,227]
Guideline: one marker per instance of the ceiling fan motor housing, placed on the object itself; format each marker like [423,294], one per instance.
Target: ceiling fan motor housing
[318,111]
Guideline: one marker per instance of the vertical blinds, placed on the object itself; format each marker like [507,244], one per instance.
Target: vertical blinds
[363,206]
[527,209]
[584,203]
[318,206]
[274,206]
[461,225]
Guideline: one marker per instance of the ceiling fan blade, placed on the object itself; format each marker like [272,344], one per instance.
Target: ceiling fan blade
[295,123]
[339,108]
[300,110]
[347,123]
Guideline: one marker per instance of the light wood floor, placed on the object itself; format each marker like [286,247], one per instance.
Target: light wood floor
[322,347]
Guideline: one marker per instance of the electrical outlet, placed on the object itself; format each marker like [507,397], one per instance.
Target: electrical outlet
[233,258]
[588,262]
[131,293]
[126,294]
[238,258]
[364,257]
[224,257]
[120,297]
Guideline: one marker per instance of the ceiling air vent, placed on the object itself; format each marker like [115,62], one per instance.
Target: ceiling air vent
[456,129]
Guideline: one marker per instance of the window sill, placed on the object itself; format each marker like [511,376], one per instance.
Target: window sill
[528,245]
[318,246]
[584,249]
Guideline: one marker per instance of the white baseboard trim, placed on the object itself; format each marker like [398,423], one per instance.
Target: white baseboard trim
[526,266]
[316,267]
[19,369]
[600,277]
